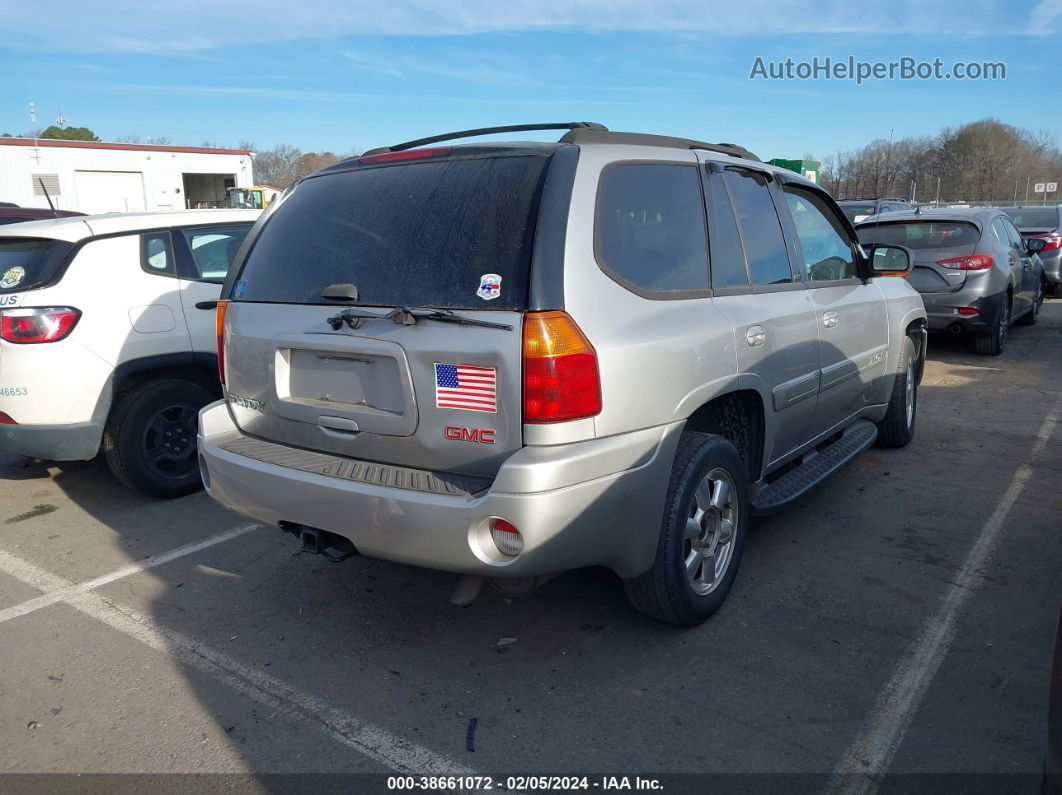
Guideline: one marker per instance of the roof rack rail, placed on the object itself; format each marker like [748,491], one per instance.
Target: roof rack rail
[603,136]
[434,139]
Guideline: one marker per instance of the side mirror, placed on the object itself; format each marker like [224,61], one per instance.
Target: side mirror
[888,260]
[1034,245]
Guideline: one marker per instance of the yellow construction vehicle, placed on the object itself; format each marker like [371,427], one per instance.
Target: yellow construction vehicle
[257,197]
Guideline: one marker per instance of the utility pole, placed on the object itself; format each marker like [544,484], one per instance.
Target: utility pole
[937,202]
[914,189]
[1028,180]
[1015,201]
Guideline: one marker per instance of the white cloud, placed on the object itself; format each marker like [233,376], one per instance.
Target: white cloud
[196,25]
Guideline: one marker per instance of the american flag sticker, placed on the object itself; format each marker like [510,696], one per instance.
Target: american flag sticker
[460,386]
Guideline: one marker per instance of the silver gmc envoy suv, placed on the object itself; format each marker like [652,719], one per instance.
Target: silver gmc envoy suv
[508,360]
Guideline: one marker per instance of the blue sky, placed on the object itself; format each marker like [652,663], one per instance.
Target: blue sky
[326,74]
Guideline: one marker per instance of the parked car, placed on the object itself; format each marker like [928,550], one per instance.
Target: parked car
[13,214]
[975,272]
[1044,223]
[858,209]
[512,359]
[107,339]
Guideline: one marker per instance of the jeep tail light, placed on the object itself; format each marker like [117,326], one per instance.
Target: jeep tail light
[978,262]
[561,380]
[1051,242]
[38,324]
[219,323]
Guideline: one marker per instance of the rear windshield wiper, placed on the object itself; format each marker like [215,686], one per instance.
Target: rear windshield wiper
[352,317]
[408,316]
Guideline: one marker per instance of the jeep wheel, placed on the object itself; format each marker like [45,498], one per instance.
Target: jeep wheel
[150,440]
[992,343]
[1030,317]
[897,429]
[701,536]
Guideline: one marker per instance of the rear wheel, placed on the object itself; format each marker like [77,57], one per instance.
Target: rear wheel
[993,342]
[1030,317]
[897,429]
[150,440]
[701,536]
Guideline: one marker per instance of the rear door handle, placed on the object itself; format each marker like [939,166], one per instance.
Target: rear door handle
[756,336]
[830,319]
[206,304]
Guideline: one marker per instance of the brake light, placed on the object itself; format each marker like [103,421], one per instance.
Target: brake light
[561,379]
[978,262]
[5,419]
[38,324]
[219,324]
[1052,242]
[408,154]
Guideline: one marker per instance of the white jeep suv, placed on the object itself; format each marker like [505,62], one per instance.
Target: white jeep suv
[107,339]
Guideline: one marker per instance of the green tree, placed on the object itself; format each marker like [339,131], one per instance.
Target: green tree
[70,133]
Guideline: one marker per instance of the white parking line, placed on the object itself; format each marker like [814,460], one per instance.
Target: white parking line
[868,758]
[54,592]
[375,743]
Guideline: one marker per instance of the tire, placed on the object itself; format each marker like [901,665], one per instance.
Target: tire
[707,470]
[137,436]
[1030,317]
[897,429]
[992,343]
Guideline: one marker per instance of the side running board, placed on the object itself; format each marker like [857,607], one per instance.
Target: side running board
[797,482]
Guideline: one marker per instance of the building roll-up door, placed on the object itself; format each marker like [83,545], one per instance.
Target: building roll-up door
[110,191]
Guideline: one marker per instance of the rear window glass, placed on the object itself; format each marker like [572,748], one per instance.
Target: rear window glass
[857,212]
[921,235]
[28,262]
[1035,217]
[650,226]
[451,233]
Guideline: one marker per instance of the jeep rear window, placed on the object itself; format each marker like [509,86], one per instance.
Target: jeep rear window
[27,262]
[921,235]
[416,234]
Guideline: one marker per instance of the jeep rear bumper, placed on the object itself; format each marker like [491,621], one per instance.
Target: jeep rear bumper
[78,442]
[589,503]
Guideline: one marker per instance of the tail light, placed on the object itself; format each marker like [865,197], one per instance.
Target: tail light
[5,419]
[1051,243]
[561,380]
[38,324]
[219,324]
[978,262]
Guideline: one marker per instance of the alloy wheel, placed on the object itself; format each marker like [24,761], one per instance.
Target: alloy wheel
[710,528]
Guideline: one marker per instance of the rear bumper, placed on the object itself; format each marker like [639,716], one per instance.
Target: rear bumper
[942,311]
[52,442]
[597,502]
[1053,266]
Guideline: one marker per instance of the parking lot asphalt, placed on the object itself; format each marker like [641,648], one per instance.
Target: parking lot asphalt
[900,618]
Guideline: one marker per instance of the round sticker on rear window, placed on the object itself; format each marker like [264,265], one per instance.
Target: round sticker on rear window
[489,286]
[12,277]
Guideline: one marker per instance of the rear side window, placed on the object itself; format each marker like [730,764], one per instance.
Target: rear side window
[728,257]
[446,233]
[26,262]
[761,231]
[921,235]
[857,212]
[156,254]
[649,229]
[213,249]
